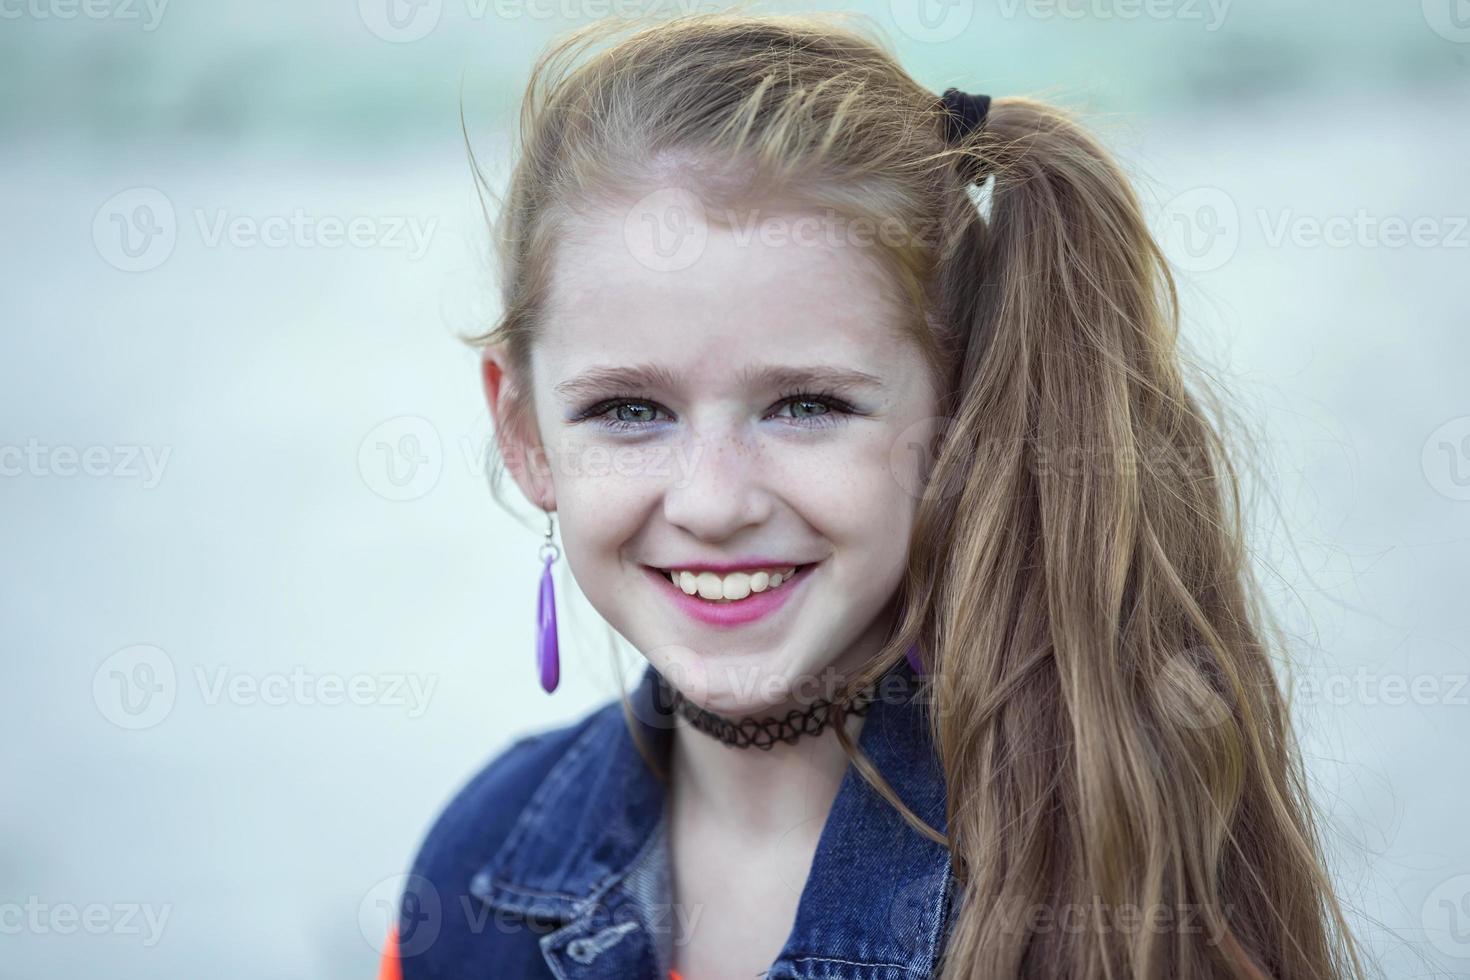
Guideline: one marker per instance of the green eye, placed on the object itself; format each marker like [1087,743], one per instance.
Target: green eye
[809,402]
[634,405]
[634,413]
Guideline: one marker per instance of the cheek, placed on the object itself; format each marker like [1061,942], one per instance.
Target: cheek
[869,531]
[600,509]
[595,516]
[853,486]
[871,544]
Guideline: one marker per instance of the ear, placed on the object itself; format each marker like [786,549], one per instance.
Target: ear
[519,443]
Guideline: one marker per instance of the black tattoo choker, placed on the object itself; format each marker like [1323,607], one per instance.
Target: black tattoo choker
[763,733]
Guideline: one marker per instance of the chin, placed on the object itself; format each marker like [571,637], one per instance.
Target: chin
[729,685]
[734,687]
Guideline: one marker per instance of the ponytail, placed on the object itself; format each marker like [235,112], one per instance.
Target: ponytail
[1112,732]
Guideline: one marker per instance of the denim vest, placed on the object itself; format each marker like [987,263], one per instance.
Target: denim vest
[554,860]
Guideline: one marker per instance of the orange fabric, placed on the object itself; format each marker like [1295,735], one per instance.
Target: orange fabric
[390,968]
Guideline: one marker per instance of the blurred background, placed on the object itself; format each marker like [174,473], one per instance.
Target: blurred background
[260,615]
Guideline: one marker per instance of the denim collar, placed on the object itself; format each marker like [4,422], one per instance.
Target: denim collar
[588,856]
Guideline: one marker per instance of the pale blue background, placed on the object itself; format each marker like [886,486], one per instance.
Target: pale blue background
[267,833]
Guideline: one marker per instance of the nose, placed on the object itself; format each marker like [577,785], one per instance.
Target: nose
[723,488]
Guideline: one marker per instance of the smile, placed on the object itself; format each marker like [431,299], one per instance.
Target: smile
[742,596]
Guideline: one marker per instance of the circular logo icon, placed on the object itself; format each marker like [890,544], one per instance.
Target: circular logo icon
[1450,19]
[914,454]
[1446,459]
[135,230]
[400,21]
[402,458]
[410,903]
[666,230]
[932,21]
[135,687]
[682,670]
[793,858]
[1185,693]
[1446,917]
[1200,229]
[915,906]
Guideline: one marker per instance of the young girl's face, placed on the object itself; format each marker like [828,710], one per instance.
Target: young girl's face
[750,404]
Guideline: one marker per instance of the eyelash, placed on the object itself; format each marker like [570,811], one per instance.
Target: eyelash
[839,411]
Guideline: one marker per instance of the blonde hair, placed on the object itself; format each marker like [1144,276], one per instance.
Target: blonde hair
[1103,699]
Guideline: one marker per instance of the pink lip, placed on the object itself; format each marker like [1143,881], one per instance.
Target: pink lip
[730,613]
[723,567]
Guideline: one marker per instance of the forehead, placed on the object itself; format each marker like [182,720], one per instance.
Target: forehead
[769,288]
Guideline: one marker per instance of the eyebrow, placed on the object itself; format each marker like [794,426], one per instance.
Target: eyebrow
[599,380]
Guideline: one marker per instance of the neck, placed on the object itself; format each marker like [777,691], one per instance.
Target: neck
[773,791]
[757,792]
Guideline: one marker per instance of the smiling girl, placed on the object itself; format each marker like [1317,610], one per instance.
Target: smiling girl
[955,666]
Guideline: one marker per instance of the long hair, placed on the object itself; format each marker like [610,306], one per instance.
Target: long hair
[1101,689]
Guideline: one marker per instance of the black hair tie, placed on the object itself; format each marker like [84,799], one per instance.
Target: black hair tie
[963,117]
[966,114]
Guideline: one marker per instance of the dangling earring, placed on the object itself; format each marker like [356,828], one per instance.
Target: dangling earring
[548,656]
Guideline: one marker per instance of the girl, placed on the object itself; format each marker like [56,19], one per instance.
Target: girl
[955,664]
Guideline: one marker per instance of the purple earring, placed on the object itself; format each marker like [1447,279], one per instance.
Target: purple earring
[913,658]
[548,655]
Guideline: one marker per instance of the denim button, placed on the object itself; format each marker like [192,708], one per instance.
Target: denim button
[584,951]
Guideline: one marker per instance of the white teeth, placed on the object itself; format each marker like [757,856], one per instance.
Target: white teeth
[729,588]
[709,585]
